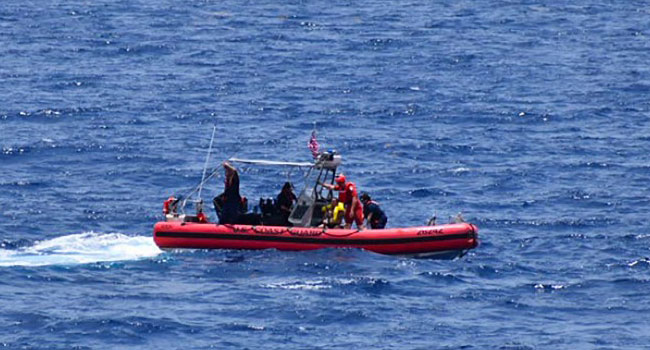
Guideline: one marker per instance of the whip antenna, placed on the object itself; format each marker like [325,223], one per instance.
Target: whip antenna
[207,159]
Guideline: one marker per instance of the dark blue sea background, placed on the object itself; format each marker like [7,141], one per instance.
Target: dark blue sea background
[531,118]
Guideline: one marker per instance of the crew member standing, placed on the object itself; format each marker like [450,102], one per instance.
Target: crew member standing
[372,212]
[232,199]
[348,195]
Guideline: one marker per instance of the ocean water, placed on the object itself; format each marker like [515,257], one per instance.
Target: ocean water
[532,118]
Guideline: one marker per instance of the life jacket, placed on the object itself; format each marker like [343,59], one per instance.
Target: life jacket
[201,217]
[347,192]
[341,189]
[337,212]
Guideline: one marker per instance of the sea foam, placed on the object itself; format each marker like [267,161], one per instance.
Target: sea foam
[82,248]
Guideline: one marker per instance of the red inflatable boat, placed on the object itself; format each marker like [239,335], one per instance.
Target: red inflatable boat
[449,240]
[181,230]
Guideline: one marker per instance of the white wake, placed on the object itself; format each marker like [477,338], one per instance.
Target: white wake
[82,248]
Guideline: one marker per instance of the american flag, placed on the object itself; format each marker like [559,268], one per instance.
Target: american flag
[313,144]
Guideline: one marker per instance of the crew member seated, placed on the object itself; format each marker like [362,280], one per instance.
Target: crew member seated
[284,203]
[333,214]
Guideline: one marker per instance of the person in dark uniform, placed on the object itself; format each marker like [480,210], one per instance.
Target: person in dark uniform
[372,212]
[232,202]
[285,201]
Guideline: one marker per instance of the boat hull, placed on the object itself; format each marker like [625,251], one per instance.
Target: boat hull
[436,241]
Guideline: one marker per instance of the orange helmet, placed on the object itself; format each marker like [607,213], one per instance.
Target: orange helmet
[340,179]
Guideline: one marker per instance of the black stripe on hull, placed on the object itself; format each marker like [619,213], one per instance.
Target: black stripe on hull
[312,240]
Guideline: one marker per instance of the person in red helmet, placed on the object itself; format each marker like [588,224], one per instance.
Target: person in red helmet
[348,196]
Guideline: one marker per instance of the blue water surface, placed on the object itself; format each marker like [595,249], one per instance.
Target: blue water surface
[532,118]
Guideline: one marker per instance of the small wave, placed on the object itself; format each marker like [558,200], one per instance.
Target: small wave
[148,49]
[236,326]
[553,223]
[442,276]
[302,285]
[428,192]
[367,283]
[542,286]
[460,170]
[83,248]
[381,43]
[14,151]
[640,262]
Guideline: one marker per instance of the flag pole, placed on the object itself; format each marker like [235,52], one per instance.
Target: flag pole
[313,143]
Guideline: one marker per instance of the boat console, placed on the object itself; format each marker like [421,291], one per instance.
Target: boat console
[307,211]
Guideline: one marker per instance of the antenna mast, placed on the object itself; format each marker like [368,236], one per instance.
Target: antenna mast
[207,159]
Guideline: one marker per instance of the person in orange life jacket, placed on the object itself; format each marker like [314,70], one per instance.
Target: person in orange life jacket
[372,212]
[200,215]
[232,198]
[348,195]
[169,206]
